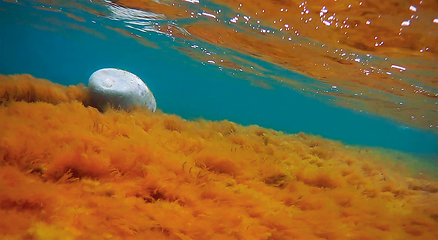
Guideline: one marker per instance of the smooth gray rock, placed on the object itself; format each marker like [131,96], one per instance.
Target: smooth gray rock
[120,89]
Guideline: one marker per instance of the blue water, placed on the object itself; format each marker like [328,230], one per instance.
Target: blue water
[188,87]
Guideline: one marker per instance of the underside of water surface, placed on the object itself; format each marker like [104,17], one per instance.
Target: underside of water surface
[275,120]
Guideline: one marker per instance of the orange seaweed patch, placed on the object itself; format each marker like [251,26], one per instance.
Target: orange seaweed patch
[69,171]
[30,89]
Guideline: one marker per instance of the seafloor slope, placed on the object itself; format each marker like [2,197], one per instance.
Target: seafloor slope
[68,171]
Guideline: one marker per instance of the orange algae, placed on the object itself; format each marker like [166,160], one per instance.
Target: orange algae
[71,172]
[30,89]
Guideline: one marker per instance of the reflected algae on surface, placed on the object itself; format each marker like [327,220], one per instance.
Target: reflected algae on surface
[380,57]
[69,171]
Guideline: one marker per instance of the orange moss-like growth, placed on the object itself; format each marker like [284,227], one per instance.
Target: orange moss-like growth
[30,89]
[70,172]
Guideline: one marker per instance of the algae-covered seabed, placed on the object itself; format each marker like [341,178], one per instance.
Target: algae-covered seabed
[71,172]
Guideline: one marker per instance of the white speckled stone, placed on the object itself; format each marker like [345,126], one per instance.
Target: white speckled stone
[120,89]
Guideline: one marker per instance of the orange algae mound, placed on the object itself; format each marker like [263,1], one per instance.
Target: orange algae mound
[70,172]
[27,88]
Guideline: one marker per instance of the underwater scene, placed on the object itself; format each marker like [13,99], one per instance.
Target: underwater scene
[193,119]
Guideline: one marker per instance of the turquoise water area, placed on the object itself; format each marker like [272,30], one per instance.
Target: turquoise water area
[40,43]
